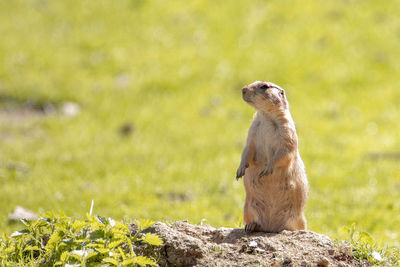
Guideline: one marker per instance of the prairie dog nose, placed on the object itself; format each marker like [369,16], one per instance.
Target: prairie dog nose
[244,89]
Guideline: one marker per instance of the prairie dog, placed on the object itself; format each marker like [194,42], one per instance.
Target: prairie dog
[275,179]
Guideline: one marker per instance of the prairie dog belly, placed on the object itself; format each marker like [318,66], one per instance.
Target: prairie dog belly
[275,198]
[275,187]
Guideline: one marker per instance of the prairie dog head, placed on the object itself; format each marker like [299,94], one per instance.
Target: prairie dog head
[265,96]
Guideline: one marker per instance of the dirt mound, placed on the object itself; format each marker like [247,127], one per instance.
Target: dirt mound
[194,245]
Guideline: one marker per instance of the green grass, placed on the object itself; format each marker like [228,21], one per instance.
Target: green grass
[174,70]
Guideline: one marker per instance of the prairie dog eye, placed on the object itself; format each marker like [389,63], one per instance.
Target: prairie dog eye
[264,86]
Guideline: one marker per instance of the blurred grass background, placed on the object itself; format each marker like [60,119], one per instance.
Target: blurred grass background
[162,123]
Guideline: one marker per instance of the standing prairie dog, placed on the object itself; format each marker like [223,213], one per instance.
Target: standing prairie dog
[275,179]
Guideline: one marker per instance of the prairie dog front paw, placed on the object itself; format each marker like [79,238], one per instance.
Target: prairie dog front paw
[269,169]
[241,170]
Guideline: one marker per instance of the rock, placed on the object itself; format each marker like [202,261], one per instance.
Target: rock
[20,213]
[203,245]
[253,244]
[70,109]
[259,250]
[324,262]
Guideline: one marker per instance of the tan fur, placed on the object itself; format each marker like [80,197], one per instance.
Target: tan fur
[274,174]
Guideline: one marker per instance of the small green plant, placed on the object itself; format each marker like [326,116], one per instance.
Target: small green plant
[364,247]
[217,249]
[57,240]
[239,222]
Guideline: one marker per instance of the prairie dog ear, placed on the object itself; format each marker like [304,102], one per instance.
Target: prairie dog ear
[282,94]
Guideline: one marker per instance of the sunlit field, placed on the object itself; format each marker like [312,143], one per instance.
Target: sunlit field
[159,123]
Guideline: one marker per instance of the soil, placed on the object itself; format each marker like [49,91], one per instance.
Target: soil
[203,245]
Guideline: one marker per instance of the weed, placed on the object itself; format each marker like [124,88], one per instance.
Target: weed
[365,248]
[57,240]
